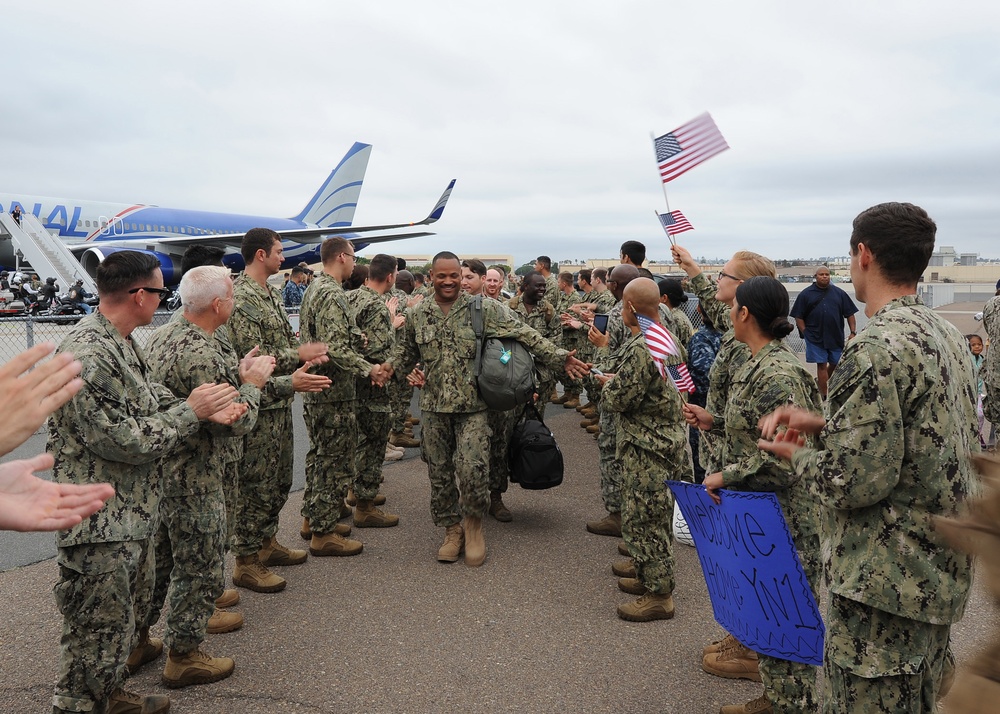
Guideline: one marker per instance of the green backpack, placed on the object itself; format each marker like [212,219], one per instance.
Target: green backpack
[505,369]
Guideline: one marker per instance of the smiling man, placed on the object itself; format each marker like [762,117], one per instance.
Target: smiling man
[819,312]
[438,333]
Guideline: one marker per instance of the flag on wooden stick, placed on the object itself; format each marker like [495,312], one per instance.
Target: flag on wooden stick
[661,345]
[674,222]
[687,146]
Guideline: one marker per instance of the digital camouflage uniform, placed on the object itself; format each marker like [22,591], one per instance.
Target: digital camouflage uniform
[570,340]
[400,391]
[894,452]
[115,429]
[190,542]
[651,447]
[501,425]
[259,318]
[603,302]
[607,360]
[326,316]
[544,319]
[732,354]
[552,289]
[772,378]
[373,408]
[990,374]
[680,325]
[455,434]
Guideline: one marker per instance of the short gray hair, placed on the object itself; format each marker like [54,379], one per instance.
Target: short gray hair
[201,285]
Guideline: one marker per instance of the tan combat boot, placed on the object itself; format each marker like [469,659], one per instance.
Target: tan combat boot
[572,402]
[475,544]
[725,643]
[623,549]
[632,586]
[649,607]
[589,421]
[366,515]
[145,651]
[594,429]
[398,438]
[733,662]
[624,568]
[223,621]
[392,453]
[412,420]
[610,525]
[274,553]
[122,702]
[307,534]
[230,597]
[251,574]
[352,500]
[195,667]
[760,705]
[498,508]
[454,541]
[333,544]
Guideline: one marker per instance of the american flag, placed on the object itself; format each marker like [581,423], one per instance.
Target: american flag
[687,146]
[674,222]
[661,345]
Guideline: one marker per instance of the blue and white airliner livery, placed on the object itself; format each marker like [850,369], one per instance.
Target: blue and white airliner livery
[93,230]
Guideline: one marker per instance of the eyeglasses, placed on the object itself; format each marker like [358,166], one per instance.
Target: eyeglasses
[351,256]
[724,274]
[162,292]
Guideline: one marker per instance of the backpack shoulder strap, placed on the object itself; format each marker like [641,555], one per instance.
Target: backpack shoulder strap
[477,327]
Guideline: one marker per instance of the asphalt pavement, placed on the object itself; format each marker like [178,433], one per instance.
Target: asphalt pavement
[392,630]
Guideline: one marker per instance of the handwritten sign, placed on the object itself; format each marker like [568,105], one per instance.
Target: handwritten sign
[759,590]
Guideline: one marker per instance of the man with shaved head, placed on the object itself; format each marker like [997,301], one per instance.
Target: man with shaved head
[651,447]
[607,357]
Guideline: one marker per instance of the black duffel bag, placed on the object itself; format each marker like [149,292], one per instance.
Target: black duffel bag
[535,459]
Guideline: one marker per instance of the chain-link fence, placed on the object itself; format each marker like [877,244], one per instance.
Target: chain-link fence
[20,332]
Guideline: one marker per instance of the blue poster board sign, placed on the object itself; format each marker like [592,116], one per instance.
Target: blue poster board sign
[759,590]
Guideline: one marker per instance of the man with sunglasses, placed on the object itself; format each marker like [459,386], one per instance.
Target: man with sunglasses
[116,429]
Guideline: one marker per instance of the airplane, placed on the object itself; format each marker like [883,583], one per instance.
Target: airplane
[94,230]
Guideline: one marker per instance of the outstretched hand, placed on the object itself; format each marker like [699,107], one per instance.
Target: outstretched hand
[256,368]
[575,368]
[304,381]
[793,417]
[784,444]
[28,503]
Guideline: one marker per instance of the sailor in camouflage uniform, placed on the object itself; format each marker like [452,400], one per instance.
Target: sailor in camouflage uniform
[259,320]
[191,539]
[990,374]
[571,340]
[607,358]
[651,446]
[455,442]
[893,453]
[116,429]
[400,390]
[375,321]
[772,377]
[326,317]
[537,312]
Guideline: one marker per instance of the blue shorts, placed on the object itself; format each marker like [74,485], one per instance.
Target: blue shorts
[817,354]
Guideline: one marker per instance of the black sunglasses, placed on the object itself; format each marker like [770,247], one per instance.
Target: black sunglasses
[159,291]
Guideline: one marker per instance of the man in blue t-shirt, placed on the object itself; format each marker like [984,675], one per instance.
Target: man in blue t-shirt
[819,312]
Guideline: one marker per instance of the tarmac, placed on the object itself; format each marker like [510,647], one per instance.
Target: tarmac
[392,630]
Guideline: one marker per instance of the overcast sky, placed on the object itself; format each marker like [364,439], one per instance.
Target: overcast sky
[542,110]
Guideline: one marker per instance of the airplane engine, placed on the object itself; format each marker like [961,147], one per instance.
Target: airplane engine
[170,265]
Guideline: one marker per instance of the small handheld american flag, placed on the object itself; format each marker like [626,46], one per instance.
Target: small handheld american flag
[661,345]
[674,223]
[687,146]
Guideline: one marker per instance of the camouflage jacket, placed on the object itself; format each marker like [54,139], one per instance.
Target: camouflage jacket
[446,346]
[373,319]
[681,325]
[772,378]
[259,318]
[718,312]
[649,409]
[618,335]
[326,316]
[603,301]
[187,356]
[552,289]
[895,452]
[990,372]
[115,429]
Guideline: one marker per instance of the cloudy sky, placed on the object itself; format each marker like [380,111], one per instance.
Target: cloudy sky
[542,110]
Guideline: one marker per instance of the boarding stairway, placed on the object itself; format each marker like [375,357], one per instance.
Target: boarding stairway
[46,253]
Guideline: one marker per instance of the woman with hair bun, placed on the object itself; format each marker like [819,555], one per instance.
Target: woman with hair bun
[770,378]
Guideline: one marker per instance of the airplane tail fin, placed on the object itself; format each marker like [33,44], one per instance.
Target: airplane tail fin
[439,206]
[335,202]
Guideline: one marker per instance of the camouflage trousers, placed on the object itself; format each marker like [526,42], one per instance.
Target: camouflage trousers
[455,448]
[611,470]
[373,433]
[104,589]
[791,686]
[231,492]
[330,463]
[647,516]
[400,395]
[265,479]
[501,427]
[190,551]
[879,662]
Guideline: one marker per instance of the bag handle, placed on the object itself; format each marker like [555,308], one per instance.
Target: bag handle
[530,405]
[477,327]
